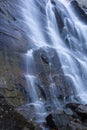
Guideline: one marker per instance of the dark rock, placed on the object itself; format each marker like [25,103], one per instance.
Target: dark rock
[85,122]
[72,106]
[61,120]
[81,110]
[65,119]
[10,119]
[28,111]
[53,2]
[79,11]
[50,122]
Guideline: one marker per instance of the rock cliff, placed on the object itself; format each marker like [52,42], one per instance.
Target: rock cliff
[14,43]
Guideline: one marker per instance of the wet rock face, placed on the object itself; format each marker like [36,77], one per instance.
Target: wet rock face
[12,36]
[79,11]
[49,71]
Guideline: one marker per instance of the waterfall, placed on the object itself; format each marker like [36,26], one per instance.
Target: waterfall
[53,24]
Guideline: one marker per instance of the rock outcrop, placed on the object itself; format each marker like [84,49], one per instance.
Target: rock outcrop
[72,117]
[49,70]
[14,43]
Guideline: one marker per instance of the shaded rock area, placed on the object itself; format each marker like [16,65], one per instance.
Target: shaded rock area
[72,117]
[10,119]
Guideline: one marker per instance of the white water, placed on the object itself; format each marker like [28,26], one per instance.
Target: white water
[73,58]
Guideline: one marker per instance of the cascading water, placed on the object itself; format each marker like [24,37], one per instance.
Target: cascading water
[52,24]
[34,99]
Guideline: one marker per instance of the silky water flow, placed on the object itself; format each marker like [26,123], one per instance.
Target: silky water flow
[45,29]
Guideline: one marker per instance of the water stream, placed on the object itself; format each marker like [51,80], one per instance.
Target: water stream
[45,28]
